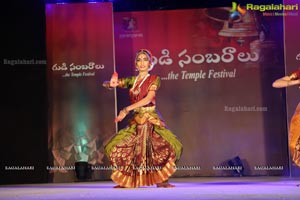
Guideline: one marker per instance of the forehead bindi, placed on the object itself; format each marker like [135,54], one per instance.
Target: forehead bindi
[142,56]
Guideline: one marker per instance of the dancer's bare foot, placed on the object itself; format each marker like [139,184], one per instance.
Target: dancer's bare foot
[165,185]
[118,186]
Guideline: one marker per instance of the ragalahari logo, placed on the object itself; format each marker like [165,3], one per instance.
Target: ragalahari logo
[236,12]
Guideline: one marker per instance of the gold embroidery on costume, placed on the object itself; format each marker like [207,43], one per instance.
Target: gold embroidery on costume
[145,156]
[294,136]
[153,88]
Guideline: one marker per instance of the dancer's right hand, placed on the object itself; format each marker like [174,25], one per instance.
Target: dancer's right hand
[120,117]
[114,80]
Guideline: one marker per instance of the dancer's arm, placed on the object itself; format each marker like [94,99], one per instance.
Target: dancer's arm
[285,81]
[146,100]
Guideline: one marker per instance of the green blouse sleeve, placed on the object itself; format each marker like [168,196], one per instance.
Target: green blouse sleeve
[155,84]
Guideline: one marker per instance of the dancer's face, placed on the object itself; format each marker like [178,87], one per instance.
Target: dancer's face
[142,62]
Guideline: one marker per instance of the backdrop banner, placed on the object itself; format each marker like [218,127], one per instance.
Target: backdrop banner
[80,52]
[217,66]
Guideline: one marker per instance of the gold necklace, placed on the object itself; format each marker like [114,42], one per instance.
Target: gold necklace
[136,92]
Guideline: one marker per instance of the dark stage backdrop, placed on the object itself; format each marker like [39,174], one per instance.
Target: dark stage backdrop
[80,52]
[292,62]
[216,93]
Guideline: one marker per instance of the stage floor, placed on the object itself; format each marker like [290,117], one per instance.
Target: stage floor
[207,188]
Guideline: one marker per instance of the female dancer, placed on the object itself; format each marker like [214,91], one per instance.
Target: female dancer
[294,132]
[145,152]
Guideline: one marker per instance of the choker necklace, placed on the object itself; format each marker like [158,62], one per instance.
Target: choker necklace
[136,92]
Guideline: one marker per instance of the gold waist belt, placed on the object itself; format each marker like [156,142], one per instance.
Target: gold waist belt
[144,109]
